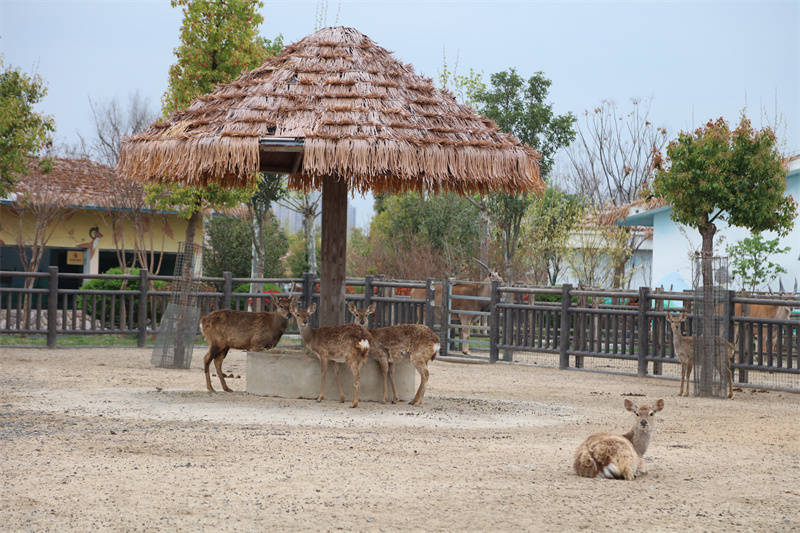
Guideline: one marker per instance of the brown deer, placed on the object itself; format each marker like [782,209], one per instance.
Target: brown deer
[611,456]
[482,290]
[414,342]
[338,344]
[684,346]
[225,329]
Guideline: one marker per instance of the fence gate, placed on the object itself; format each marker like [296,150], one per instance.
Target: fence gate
[467,317]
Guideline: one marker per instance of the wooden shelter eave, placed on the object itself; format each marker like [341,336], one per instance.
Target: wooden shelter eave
[281,155]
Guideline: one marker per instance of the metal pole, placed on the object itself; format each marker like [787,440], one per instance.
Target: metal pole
[227,289]
[141,341]
[445,348]
[368,298]
[563,357]
[52,307]
[494,322]
[430,300]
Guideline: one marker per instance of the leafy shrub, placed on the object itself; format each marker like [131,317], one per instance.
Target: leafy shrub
[100,284]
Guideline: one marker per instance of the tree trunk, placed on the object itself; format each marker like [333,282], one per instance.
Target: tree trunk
[484,229]
[334,251]
[311,240]
[258,211]
[706,359]
[183,299]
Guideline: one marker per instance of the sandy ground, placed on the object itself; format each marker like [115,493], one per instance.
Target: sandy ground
[98,439]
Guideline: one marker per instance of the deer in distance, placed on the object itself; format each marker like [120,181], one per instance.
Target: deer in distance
[482,290]
[611,456]
[766,312]
[243,330]
[338,344]
[414,342]
[684,346]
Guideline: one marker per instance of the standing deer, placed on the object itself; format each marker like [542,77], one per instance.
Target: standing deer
[482,290]
[611,456]
[684,346]
[225,329]
[414,342]
[339,344]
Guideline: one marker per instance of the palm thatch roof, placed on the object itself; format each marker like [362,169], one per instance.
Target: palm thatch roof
[350,110]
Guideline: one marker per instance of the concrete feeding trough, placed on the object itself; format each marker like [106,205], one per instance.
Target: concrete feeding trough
[297,375]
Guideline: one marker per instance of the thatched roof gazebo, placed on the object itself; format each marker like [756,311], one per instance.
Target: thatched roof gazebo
[334,111]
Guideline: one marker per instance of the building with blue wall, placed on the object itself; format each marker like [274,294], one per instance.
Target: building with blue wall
[674,245]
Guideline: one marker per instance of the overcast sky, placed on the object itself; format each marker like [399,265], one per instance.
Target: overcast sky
[695,60]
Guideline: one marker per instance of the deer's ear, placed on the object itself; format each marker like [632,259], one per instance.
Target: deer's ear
[312,308]
[351,307]
[371,308]
[630,406]
[659,405]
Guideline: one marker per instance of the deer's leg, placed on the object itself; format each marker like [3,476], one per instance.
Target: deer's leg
[336,368]
[466,324]
[212,351]
[383,362]
[689,367]
[218,359]
[422,368]
[323,365]
[355,368]
[683,377]
[391,379]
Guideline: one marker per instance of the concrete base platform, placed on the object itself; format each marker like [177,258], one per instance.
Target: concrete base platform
[294,375]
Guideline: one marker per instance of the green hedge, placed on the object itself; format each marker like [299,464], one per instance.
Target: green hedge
[114,285]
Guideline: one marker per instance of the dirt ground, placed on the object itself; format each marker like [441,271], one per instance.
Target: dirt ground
[98,439]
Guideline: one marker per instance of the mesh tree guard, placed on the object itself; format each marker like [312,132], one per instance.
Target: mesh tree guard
[176,334]
[712,369]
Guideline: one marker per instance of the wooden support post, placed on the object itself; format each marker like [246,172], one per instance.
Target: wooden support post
[563,354]
[334,251]
[52,307]
[643,330]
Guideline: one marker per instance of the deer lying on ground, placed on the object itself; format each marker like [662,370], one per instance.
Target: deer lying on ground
[414,342]
[339,344]
[225,329]
[483,290]
[611,456]
[684,346]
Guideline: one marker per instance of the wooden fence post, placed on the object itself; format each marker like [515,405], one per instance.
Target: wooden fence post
[494,322]
[227,289]
[52,307]
[563,357]
[643,327]
[141,341]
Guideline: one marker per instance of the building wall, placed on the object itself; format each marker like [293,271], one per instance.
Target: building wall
[675,244]
[73,233]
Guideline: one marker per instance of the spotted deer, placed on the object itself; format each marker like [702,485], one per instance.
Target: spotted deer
[338,344]
[242,330]
[684,346]
[414,342]
[611,456]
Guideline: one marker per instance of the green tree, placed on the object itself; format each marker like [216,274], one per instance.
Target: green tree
[547,228]
[219,40]
[23,132]
[519,107]
[230,247]
[751,260]
[733,175]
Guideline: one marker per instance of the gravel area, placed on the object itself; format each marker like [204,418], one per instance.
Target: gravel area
[98,439]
